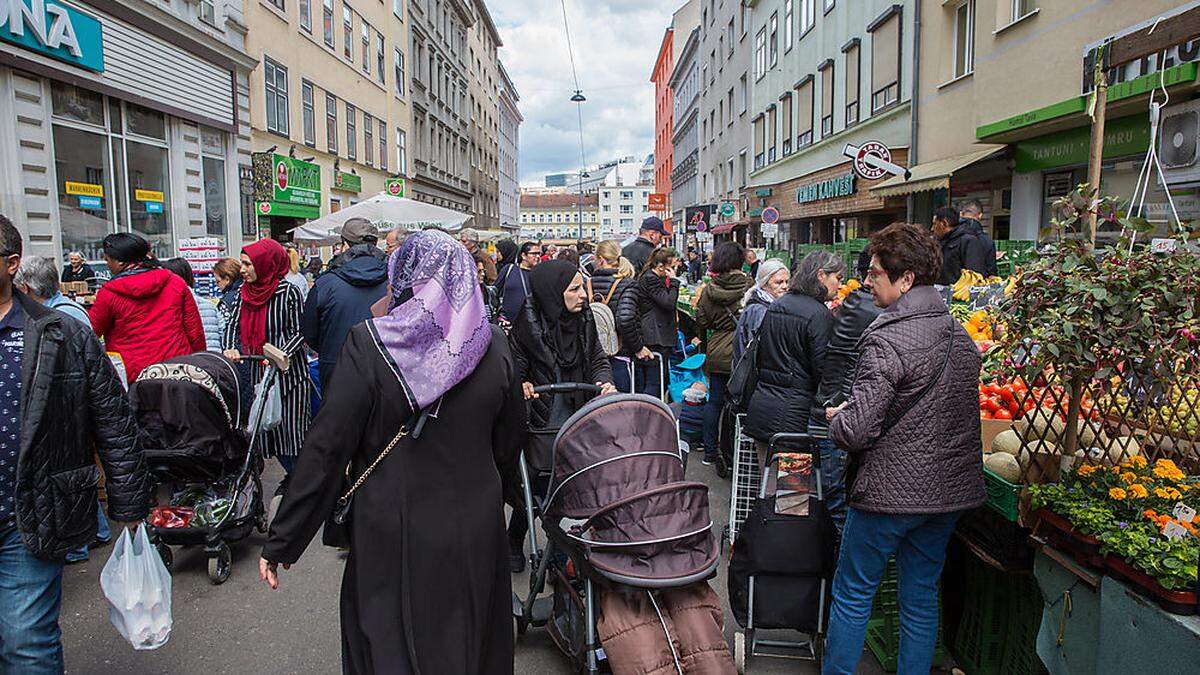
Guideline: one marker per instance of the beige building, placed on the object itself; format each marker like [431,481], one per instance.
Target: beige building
[484,112]
[331,96]
[1003,91]
[557,216]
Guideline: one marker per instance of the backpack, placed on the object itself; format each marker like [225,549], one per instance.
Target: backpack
[606,322]
[743,378]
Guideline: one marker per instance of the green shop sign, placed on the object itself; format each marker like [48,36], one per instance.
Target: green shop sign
[394,187]
[838,186]
[286,187]
[58,31]
[347,182]
[1122,137]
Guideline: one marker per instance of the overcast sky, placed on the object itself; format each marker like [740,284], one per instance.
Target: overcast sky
[615,43]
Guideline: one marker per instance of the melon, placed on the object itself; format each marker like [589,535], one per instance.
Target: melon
[1121,448]
[1042,424]
[1091,436]
[1008,442]
[1005,466]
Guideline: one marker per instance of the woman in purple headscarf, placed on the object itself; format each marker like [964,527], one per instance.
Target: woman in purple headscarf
[426,586]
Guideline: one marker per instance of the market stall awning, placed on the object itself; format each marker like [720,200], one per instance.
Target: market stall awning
[933,175]
[386,212]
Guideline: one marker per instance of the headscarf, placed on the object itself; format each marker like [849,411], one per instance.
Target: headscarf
[435,331]
[507,248]
[766,270]
[270,262]
[548,281]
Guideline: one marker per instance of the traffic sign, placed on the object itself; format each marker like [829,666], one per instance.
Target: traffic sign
[873,160]
[770,230]
[770,215]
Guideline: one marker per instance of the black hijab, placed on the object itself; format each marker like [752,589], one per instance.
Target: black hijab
[507,249]
[548,281]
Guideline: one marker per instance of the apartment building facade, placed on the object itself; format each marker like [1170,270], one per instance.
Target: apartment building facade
[483,110]
[508,153]
[624,200]
[683,21]
[725,47]
[685,139]
[559,217]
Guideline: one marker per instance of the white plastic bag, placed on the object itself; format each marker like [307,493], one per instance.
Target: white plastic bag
[137,586]
[268,403]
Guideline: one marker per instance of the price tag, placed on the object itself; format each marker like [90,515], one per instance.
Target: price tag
[1184,513]
[1174,530]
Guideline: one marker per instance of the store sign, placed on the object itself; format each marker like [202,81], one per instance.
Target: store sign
[395,187]
[347,182]
[84,189]
[91,203]
[148,196]
[58,31]
[833,188]
[1123,137]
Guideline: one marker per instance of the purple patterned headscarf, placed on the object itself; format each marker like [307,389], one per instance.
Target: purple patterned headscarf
[435,331]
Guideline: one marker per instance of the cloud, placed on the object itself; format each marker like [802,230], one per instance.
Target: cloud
[615,44]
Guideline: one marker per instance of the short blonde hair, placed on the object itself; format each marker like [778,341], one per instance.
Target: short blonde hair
[293,260]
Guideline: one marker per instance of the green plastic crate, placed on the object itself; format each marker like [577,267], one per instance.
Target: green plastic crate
[1002,496]
[883,628]
[997,634]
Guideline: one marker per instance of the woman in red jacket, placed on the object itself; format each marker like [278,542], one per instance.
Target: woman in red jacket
[144,313]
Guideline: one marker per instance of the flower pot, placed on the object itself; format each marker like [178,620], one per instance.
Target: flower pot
[1175,602]
[1062,535]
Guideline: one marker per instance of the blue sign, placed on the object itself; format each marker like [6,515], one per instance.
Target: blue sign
[153,207]
[58,31]
[91,203]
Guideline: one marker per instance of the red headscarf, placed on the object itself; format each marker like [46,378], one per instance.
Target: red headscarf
[271,265]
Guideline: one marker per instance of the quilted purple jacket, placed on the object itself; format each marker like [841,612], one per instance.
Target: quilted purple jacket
[914,457]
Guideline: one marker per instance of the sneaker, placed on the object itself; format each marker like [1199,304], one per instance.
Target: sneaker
[707,461]
[76,557]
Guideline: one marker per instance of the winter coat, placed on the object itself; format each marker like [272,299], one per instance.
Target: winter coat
[633,630]
[637,253]
[791,361]
[210,318]
[602,283]
[512,285]
[147,316]
[338,301]
[915,455]
[852,318]
[967,246]
[74,408]
[646,314]
[716,312]
[751,318]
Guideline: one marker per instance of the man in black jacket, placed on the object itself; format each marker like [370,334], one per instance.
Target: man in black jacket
[60,402]
[339,300]
[963,246]
[970,214]
[650,236]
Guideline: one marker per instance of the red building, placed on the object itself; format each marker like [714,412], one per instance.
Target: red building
[664,105]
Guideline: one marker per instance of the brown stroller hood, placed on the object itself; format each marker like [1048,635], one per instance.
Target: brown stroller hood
[618,469]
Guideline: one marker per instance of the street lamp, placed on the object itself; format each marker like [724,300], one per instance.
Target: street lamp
[578,97]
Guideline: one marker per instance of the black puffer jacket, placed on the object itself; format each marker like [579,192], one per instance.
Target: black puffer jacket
[637,253]
[602,281]
[72,405]
[646,314]
[967,246]
[853,317]
[791,360]
[915,454]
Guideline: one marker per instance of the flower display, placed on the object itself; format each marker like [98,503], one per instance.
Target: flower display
[1116,493]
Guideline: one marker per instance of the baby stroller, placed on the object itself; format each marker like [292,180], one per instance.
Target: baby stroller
[781,569]
[198,443]
[618,514]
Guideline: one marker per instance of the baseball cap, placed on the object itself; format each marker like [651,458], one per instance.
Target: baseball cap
[655,224]
[360,231]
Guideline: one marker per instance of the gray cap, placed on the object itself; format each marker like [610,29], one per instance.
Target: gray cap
[360,231]
[469,234]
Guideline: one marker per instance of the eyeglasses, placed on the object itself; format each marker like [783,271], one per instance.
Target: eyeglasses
[533,253]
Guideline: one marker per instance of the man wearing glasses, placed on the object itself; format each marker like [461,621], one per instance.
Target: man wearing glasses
[59,398]
[512,283]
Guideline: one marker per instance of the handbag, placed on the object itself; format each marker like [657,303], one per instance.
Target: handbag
[336,532]
[743,378]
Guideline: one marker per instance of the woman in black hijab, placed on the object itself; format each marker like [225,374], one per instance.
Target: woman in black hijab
[507,248]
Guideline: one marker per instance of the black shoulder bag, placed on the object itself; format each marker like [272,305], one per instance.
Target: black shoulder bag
[336,532]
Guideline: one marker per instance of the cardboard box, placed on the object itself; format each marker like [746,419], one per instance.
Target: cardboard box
[990,429]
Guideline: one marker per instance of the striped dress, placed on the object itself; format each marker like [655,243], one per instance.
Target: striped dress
[283,331]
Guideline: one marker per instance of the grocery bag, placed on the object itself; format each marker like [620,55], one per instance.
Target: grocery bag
[137,586]
[267,407]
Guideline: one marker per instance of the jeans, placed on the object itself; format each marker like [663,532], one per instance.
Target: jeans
[103,534]
[712,416]
[30,599]
[869,539]
[621,373]
[833,480]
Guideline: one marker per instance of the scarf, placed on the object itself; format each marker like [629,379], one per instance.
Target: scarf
[548,281]
[270,262]
[435,331]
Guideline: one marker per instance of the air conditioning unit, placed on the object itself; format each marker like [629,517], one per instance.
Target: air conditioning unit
[1179,143]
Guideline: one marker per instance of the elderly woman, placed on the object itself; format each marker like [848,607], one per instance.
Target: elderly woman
[912,425]
[433,503]
[769,286]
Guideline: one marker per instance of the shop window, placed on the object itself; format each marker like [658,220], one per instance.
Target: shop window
[275,92]
[149,194]
[308,113]
[804,112]
[351,132]
[306,15]
[153,124]
[327,21]
[383,153]
[368,140]
[81,160]
[77,104]
[827,99]
[398,66]
[347,33]
[331,126]
[885,60]
[853,69]
[214,196]
[964,38]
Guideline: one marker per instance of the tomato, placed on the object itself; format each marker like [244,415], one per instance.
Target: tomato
[986,414]
[1014,409]
[989,404]
[1003,414]
[1006,395]
[1030,404]
[994,389]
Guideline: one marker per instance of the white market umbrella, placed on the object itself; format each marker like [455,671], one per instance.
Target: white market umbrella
[386,212]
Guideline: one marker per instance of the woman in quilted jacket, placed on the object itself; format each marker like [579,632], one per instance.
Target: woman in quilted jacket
[911,425]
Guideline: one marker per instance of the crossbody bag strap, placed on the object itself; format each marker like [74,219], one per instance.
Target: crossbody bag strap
[612,289]
[412,426]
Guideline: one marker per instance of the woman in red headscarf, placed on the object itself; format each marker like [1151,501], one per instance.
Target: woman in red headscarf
[268,310]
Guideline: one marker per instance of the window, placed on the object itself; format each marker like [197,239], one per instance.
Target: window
[853,68]
[366,46]
[729,173]
[208,14]
[827,98]
[774,40]
[368,140]
[398,66]
[379,58]
[760,54]
[348,33]
[788,36]
[279,4]
[964,38]
[214,196]
[398,9]
[772,130]
[308,113]
[703,130]
[1022,8]
[804,112]
[729,38]
[626,194]
[401,152]
[829,4]
[745,91]
[759,141]
[729,105]
[327,21]
[383,152]
[351,132]
[331,139]
[745,18]
[305,15]
[808,15]
[786,106]
[276,86]
[721,111]
[885,62]
[712,70]
[627,208]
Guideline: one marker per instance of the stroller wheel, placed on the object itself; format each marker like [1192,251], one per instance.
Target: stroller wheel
[220,564]
[167,556]
[739,651]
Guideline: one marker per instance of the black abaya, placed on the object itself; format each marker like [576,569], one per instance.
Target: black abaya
[427,586]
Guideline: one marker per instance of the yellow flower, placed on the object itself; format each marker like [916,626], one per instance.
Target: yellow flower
[1138,491]
[1167,493]
[1137,462]
[1087,469]
[1166,469]
[1116,493]
[1129,477]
